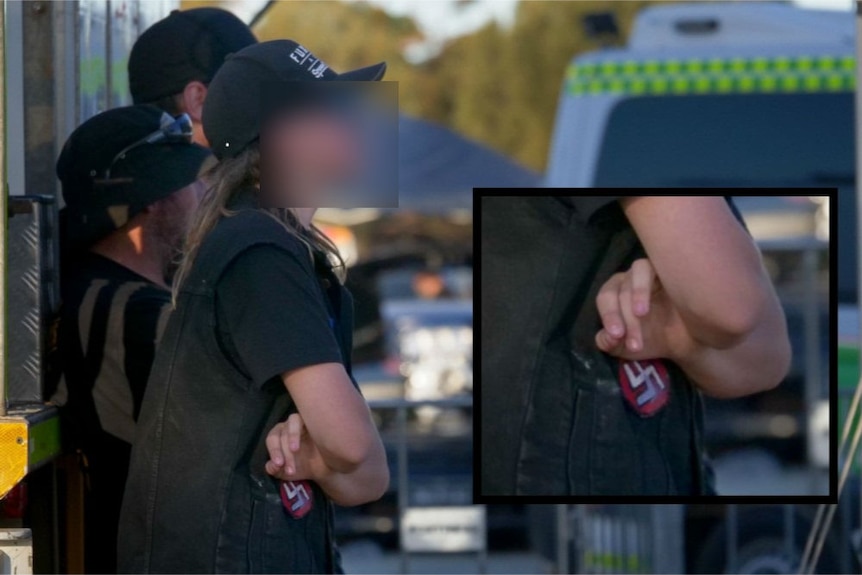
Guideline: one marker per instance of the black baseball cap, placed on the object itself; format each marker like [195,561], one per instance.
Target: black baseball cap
[232,109]
[121,161]
[187,45]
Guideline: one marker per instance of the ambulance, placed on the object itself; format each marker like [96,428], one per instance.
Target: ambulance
[712,94]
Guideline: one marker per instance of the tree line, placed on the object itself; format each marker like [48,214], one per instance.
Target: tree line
[498,85]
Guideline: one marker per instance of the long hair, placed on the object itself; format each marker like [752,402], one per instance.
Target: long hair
[226,180]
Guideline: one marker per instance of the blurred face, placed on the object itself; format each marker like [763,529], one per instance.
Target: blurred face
[307,157]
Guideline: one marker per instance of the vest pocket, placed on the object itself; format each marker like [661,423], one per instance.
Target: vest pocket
[580,446]
[612,451]
[255,537]
[603,459]
[277,542]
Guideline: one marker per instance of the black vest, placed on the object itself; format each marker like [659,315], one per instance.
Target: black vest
[553,417]
[198,499]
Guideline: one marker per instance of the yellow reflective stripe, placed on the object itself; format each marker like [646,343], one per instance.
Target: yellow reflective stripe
[713,76]
[13,453]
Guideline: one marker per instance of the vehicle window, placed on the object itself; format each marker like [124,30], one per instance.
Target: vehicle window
[739,140]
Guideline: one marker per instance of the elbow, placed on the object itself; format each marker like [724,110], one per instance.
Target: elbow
[383,486]
[373,489]
[728,328]
[763,380]
[764,372]
[378,486]
[753,383]
[775,354]
[778,363]
[758,364]
[360,453]
[370,486]
[737,325]
[350,456]
[733,322]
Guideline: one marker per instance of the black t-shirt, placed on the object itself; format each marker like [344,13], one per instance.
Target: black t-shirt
[111,321]
[552,419]
[271,295]
[110,324]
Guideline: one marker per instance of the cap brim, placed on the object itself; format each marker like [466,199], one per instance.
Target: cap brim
[367,74]
[164,169]
[167,169]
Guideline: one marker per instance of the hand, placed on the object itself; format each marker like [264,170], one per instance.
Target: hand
[638,319]
[293,455]
[283,443]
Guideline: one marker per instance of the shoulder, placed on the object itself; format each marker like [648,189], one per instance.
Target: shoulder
[589,208]
[236,234]
[267,270]
[249,227]
[248,219]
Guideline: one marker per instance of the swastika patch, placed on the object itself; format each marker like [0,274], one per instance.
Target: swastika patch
[297,497]
[645,385]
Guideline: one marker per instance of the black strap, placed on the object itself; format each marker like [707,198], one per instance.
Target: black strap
[86,363]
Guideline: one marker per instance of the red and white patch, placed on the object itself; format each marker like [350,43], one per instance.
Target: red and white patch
[297,497]
[645,384]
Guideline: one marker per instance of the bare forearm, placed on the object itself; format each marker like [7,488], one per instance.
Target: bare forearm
[758,363]
[361,478]
[368,482]
[711,309]
[295,455]
[713,276]
[707,263]
[335,414]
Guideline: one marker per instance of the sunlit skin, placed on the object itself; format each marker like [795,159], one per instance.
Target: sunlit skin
[191,101]
[148,243]
[702,299]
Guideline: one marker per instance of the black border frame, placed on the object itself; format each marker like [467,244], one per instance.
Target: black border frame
[831,497]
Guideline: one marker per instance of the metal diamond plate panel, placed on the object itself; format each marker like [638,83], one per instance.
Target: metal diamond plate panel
[32,295]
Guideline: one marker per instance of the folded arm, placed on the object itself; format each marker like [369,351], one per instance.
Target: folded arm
[703,299]
[339,448]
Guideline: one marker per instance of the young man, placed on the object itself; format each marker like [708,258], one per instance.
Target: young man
[604,318]
[174,60]
[130,183]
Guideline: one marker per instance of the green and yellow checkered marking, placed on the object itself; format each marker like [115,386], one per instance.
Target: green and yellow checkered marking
[713,76]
